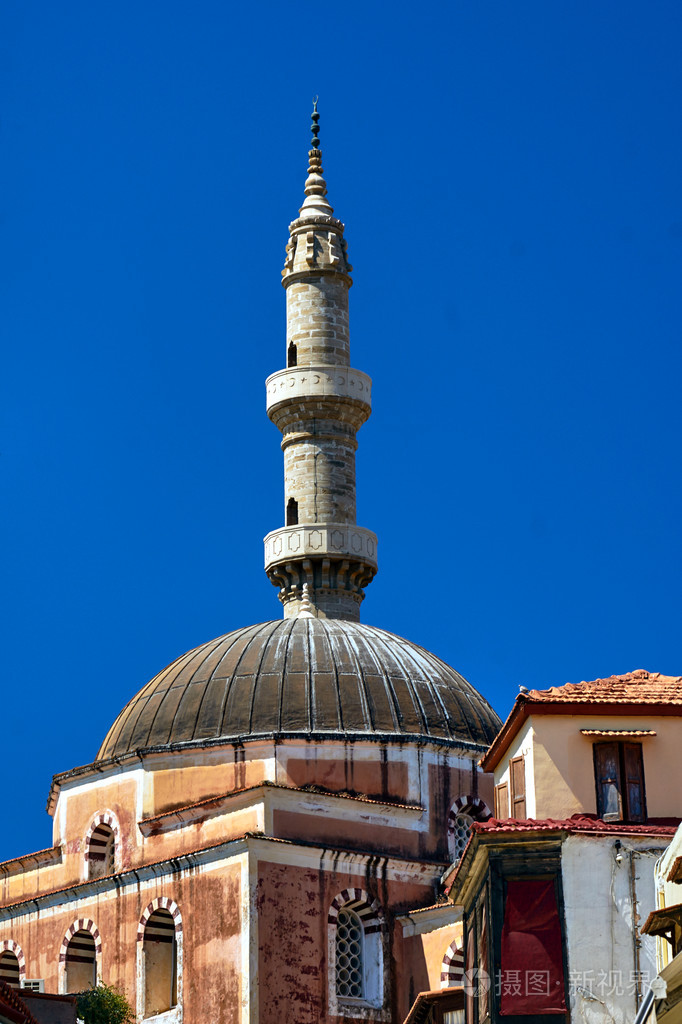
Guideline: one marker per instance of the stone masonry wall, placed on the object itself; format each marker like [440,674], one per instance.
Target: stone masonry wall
[320,474]
[317,321]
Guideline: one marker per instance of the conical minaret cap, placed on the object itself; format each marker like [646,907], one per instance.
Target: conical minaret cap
[315,203]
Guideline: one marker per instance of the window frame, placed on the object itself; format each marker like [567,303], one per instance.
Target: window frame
[161,913]
[175,1014]
[621,781]
[376,980]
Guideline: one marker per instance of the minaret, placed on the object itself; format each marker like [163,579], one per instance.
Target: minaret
[319,403]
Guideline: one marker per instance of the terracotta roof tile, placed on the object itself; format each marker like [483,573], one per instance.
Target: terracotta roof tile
[637,687]
[578,823]
[13,1008]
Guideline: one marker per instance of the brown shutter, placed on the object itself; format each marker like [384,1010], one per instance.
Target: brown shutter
[517,776]
[634,781]
[607,776]
[502,801]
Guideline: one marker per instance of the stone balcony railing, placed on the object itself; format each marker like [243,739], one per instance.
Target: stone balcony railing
[298,382]
[321,540]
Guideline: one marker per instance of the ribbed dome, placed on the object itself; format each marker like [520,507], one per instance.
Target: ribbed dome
[302,677]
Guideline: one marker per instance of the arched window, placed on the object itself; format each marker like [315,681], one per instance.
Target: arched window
[81,962]
[452,968]
[101,851]
[465,811]
[350,970]
[356,951]
[101,842]
[292,354]
[9,968]
[159,950]
[292,512]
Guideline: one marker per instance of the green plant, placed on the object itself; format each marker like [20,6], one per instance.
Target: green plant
[104,1005]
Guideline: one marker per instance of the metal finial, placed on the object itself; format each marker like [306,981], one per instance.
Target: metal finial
[315,128]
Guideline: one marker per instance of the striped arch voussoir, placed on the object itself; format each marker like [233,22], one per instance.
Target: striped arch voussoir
[10,946]
[362,904]
[452,970]
[476,807]
[104,818]
[160,903]
[83,924]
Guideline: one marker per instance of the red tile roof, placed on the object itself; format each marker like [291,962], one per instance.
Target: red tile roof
[13,1008]
[577,823]
[587,824]
[635,687]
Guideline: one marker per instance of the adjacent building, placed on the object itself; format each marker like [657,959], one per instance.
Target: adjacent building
[663,1000]
[555,889]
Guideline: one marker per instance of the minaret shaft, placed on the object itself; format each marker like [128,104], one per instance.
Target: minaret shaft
[317,321]
[319,403]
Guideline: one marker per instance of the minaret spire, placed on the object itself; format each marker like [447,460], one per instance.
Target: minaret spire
[315,186]
[319,403]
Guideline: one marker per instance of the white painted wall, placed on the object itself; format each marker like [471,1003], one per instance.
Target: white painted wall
[522,744]
[605,904]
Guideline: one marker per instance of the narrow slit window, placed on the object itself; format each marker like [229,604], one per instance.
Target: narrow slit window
[292,512]
[292,354]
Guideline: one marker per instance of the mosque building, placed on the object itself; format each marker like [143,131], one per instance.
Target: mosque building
[262,832]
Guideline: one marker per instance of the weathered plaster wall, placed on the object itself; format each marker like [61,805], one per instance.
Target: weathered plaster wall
[355,835]
[293,904]
[203,832]
[200,781]
[380,779]
[605,904]
[209,900]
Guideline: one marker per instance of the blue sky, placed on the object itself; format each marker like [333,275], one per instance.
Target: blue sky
[509,177]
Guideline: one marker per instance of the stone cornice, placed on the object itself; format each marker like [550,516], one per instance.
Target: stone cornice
[331,858]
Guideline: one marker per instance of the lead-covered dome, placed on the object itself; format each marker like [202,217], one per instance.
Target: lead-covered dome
[302,677]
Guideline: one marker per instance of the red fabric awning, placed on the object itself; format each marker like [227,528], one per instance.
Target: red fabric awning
[532,970]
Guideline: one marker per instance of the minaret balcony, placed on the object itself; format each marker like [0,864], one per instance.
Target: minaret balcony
[321,540]
[326,384]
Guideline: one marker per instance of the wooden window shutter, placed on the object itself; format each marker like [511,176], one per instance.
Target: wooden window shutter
[502,800]
[517,776]
[607,777]
[634,781]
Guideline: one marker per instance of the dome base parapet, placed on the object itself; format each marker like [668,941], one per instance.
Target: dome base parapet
[323,541]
